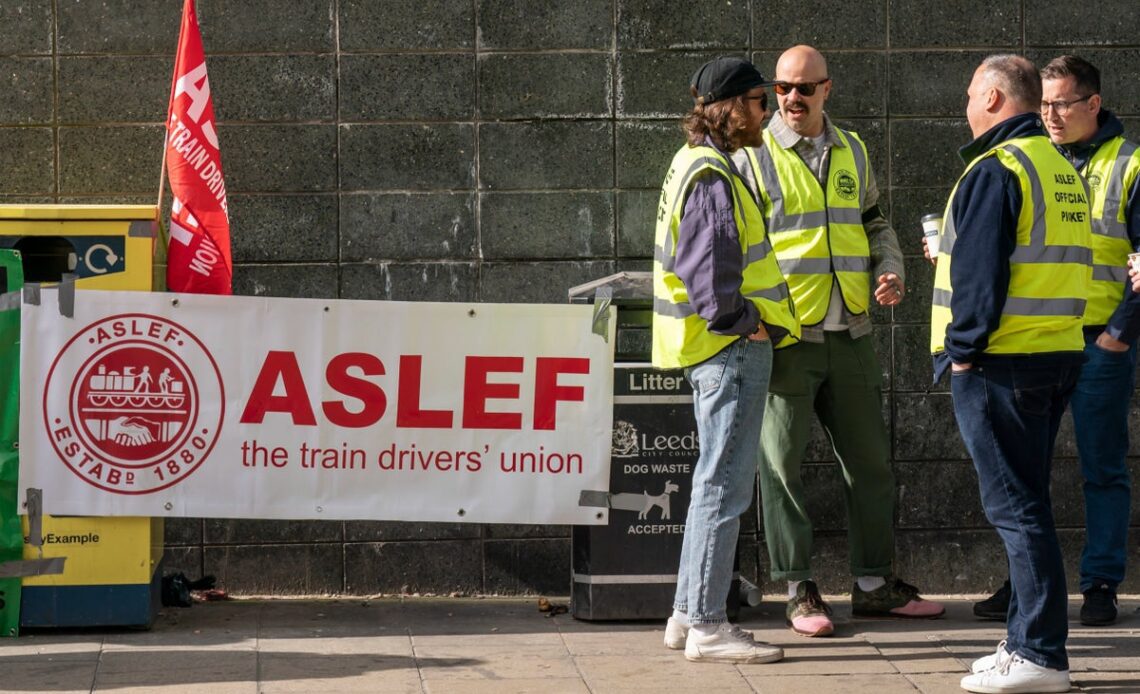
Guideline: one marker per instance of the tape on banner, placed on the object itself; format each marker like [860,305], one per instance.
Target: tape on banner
[35,507]
[32,294]
[619,502]
[67,295]
[9,301]
[592,497]
[142,228]
[32,567]
[603,298]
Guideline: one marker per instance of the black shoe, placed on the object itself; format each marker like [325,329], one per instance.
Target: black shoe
[1100,606]
[996,606]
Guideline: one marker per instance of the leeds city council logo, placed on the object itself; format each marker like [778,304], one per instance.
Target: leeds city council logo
[845,184]
[133,403]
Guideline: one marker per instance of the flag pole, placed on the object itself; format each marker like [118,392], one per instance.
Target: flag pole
[162,236]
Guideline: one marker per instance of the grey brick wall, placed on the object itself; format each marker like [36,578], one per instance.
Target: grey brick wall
[504,150]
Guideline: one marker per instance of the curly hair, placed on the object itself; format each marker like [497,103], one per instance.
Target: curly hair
[723,121]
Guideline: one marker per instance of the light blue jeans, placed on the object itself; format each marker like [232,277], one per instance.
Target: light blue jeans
[729,391]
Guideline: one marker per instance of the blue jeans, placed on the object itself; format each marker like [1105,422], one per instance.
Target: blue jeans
[1008,414]
[728,400]
[1100,417]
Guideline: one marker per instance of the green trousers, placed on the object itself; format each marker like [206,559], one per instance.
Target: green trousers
[840,381]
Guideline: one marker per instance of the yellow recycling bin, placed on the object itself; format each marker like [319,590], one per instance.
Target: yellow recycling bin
[112,573]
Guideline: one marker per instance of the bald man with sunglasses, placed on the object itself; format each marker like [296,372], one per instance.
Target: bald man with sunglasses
[837,252]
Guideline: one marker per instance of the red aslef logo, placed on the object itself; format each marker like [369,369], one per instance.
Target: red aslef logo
[133,403]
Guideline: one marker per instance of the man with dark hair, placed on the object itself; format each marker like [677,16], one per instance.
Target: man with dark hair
[820,202]
[720,306]
[1013,275]
[1093,140]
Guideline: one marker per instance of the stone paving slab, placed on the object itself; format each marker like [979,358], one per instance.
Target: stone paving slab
[504,646]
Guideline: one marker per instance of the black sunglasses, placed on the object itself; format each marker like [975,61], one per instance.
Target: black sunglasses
[763,98]
[804,88]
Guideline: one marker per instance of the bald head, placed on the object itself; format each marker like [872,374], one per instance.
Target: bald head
[799,59]
[802,89]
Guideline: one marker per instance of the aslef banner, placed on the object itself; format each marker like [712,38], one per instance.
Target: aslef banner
[241,407]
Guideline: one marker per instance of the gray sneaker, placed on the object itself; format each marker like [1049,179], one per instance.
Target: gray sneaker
[729,644]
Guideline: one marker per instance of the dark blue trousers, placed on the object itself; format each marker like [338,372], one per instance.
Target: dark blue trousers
[1008,414]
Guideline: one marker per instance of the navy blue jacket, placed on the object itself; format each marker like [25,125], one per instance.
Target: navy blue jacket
[985,209]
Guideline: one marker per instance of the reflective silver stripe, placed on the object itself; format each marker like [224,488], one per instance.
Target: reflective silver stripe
[777,293]
[757,252]
[671,310]
[1022,306]
[770,182]
[860,165]
[949,231]
[797,222]
[844,215]
[1052,254]
[851,263]
[805,266]
[1110,273]
[1109,223]
[1037,231]
[664,254]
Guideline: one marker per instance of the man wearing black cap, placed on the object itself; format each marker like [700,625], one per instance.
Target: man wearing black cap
[720,306]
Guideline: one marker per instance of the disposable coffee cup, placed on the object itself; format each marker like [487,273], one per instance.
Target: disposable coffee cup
[1134,260]
[931,228]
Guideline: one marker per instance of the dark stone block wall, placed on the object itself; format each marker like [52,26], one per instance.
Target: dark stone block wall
[505,150]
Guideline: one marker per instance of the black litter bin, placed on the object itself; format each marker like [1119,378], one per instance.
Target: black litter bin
[628,568]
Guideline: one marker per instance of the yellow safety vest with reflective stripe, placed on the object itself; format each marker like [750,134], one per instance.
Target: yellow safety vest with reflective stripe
[680,336]
[1051,264]
[1110,173]
[817,231]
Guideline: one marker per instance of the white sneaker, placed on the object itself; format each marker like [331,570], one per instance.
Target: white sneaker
[989,662]
[1016,675]
[729,644]
[675,634]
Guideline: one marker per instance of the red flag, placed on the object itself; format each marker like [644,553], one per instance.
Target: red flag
[198,256]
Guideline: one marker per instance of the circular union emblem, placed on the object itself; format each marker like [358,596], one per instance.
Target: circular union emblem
[1094,181]
[133,404]
[845,184]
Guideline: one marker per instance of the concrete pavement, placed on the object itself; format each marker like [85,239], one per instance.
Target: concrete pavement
[501,646]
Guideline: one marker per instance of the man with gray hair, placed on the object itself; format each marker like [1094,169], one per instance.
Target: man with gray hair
[1013,276]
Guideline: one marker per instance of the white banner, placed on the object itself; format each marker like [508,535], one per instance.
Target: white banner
[147,404]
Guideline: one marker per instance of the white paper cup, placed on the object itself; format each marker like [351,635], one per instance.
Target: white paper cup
[1134,260]
[931,229]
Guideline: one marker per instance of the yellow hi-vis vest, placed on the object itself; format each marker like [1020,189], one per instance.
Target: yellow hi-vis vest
[1051,264]
[817,231]
[680,336]
[1110,173]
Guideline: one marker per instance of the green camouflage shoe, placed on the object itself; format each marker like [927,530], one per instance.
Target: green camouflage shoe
[896,598]
[807,614]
